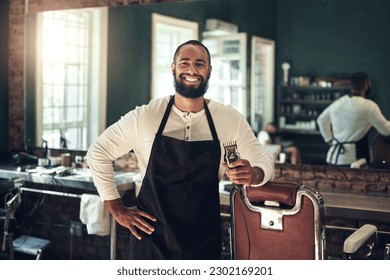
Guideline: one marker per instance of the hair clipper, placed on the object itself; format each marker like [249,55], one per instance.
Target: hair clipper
[231,152]
[231,155]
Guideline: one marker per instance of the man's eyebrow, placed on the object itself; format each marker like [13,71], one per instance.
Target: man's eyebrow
[186,59]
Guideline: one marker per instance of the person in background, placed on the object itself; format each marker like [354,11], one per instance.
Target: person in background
[345,123]
[269,136]
[179,143]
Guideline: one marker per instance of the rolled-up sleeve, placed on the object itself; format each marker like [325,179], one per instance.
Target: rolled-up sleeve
[324,124]
[116,141]
[254,152]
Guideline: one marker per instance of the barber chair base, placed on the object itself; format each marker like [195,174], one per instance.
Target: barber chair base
[31,245]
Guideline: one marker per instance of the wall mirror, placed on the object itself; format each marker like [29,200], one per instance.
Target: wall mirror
[318,38]
[83,63]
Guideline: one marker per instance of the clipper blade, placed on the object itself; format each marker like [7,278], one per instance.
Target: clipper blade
[231,152]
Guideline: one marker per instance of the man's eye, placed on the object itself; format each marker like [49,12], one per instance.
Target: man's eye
[200,65]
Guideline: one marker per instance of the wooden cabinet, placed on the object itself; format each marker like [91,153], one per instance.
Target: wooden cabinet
[297,109]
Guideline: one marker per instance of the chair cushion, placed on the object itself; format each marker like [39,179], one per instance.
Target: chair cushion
[284,193]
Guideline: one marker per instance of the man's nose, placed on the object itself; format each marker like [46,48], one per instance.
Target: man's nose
[191,69]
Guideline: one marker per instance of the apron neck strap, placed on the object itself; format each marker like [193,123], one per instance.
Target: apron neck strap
[168,110]
[166,115]
[211,123]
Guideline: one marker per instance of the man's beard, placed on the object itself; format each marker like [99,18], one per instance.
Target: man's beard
[190,91]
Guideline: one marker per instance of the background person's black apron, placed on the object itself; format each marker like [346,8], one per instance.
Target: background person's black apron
[181,189]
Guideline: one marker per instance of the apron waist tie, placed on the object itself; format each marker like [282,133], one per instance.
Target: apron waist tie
[339,146]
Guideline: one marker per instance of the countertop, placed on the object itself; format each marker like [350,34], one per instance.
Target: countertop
[363,206]
[78,178]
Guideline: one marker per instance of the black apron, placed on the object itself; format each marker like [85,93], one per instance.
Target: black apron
[181,189]
[361,147]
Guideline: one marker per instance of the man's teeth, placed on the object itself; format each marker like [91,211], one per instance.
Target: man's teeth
[190,79]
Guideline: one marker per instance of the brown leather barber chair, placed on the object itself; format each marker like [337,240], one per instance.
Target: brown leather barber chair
[381,152]
[277,221]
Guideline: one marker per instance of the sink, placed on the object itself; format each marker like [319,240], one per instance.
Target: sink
[6,185]
[81,172]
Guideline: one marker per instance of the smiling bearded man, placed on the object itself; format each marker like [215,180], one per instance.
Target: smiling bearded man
[193,81]
[179,143]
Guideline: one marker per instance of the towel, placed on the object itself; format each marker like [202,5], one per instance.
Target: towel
[94,215]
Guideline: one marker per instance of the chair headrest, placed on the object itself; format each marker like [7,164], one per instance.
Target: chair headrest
[284,193]
[381,152]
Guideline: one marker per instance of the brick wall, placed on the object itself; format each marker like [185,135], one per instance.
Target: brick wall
[326,177]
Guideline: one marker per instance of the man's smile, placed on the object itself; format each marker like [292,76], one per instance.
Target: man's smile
[191,79]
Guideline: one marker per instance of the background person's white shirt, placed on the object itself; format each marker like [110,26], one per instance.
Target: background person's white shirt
[350,119]
[264,137]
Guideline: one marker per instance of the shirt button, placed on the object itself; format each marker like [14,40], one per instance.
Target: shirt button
[188,127]
[187,138]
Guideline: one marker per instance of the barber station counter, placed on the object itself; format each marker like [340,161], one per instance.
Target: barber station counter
[366,206]
[60,208]
[342,203]
[80,179]
[352,198]
[361,194]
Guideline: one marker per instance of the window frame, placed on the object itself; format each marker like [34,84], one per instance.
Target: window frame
[216,45]
[176,25]
[266,95]
[97,71]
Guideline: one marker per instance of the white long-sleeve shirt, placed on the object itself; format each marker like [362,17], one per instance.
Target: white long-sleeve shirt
[137,129]
[350,119]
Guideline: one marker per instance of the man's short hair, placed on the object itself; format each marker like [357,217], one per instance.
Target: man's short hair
[195,43]
[358,80]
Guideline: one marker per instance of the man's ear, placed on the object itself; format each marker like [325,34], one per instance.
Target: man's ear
[173,65]
[210,68]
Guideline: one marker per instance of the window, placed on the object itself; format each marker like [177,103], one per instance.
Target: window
[262,82]
[167,34]
[227,83]
[71,77]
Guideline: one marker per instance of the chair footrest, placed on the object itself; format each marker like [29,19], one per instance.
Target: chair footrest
[30,245]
